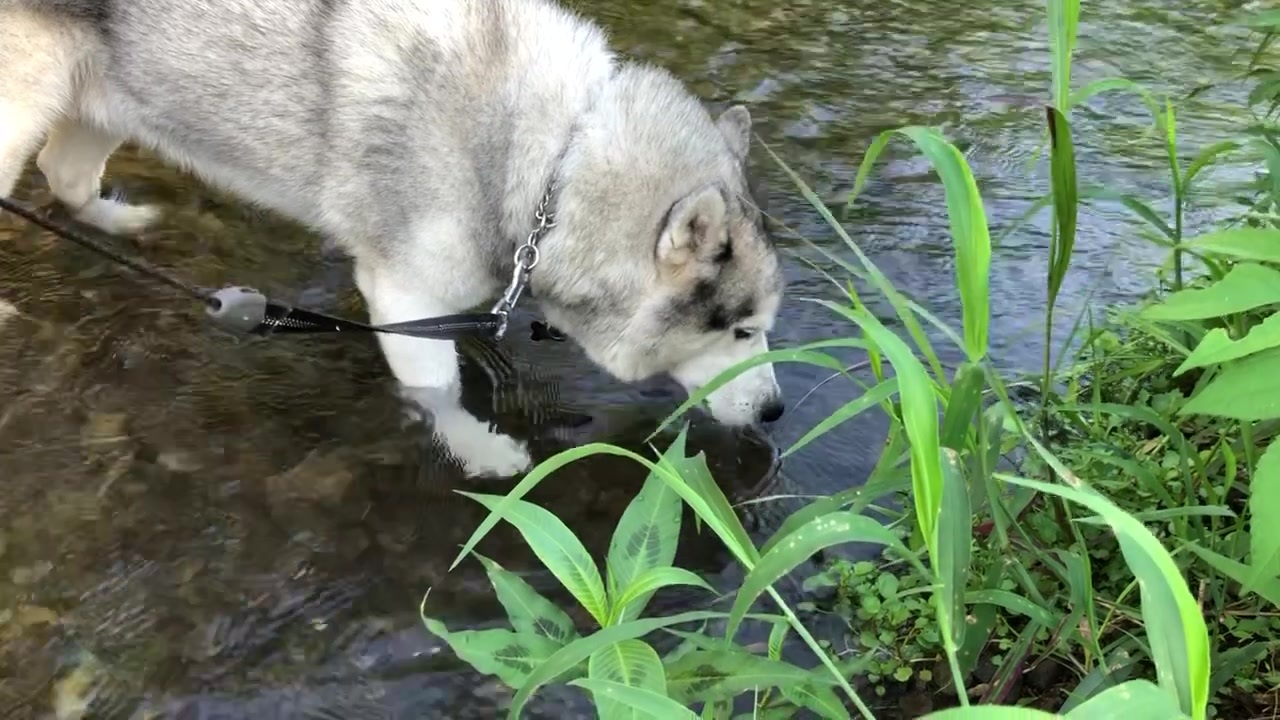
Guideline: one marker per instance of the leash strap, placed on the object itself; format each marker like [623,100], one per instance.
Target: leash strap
[245,310]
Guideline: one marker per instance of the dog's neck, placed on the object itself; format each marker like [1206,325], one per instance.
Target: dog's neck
[548,193]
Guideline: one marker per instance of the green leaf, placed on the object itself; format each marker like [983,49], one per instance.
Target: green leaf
[558,550]
[1110,671]
[632,663]
[511,656]
[1098,87]
[1246,287]
[652,580]
[1246,390]
[821,699]
[529,612]
[1241,243]
[713,507]
[1013,603]
[1151,516]
[965,401]
[821,532]
[1065,198]
[569,656]
[1229,664]
[955,538]
[868,399]
[1064,19]
[886,478]
[990,712]
[709,505]
[969,234]
[723,673]
[1264,519]
[1174,626]
[1217,346]
[1205,158]
[806,354]
[645,540]
[644,703]
[1133,700]
[1268,590]
[920,416]
[1263,20]
[1133,204]
[776,637]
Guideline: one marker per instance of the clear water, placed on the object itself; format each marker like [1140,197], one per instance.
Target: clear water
[200,527]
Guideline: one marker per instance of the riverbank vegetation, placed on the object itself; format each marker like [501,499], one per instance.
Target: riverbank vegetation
[1103,538]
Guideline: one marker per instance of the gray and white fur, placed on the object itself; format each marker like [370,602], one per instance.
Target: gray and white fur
[419,135]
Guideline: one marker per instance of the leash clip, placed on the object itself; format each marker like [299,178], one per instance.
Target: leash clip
[238,309]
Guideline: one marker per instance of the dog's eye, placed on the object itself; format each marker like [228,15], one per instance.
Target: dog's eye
[742,333]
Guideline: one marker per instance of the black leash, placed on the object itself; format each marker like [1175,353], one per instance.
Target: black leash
[245,310]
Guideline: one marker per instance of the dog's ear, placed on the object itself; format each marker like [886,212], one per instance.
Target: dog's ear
[735,125]
[695,224]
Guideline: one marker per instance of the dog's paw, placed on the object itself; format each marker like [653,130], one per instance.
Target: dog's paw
[503,457]
[481,451]
[118,218]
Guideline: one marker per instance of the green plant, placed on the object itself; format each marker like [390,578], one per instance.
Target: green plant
[1157,437]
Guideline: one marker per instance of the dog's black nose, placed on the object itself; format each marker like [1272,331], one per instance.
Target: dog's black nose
[772,411]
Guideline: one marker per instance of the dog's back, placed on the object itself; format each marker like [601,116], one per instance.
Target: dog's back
[318,108]
[426,136]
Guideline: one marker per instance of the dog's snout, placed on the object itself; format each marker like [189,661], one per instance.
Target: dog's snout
[772,411]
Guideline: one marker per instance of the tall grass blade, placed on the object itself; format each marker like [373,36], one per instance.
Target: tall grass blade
[1065,200]
[969,234]
[1064,19]
[876,395]
[963,406]
[955,540]
[806,354]
[920,417]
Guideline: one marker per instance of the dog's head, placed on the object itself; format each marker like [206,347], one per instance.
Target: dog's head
[662,264]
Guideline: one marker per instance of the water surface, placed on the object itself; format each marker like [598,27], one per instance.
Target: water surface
[197,526]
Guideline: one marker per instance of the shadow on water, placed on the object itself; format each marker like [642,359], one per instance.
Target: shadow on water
[199,526]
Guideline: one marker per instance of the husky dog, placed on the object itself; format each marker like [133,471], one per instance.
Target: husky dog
[421,136]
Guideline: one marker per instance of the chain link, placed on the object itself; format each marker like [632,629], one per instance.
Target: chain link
[526,259]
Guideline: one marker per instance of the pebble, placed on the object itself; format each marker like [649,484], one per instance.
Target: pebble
[31,574]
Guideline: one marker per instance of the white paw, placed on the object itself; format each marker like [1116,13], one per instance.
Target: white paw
[503,457]
[117,218]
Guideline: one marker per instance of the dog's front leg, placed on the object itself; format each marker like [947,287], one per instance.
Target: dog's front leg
[428,373]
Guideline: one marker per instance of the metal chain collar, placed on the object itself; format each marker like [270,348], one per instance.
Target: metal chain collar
[526,259]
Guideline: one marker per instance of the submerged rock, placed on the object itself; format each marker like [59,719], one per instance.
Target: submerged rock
[321,478]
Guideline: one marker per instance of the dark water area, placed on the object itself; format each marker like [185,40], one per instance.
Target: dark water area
[196,526]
